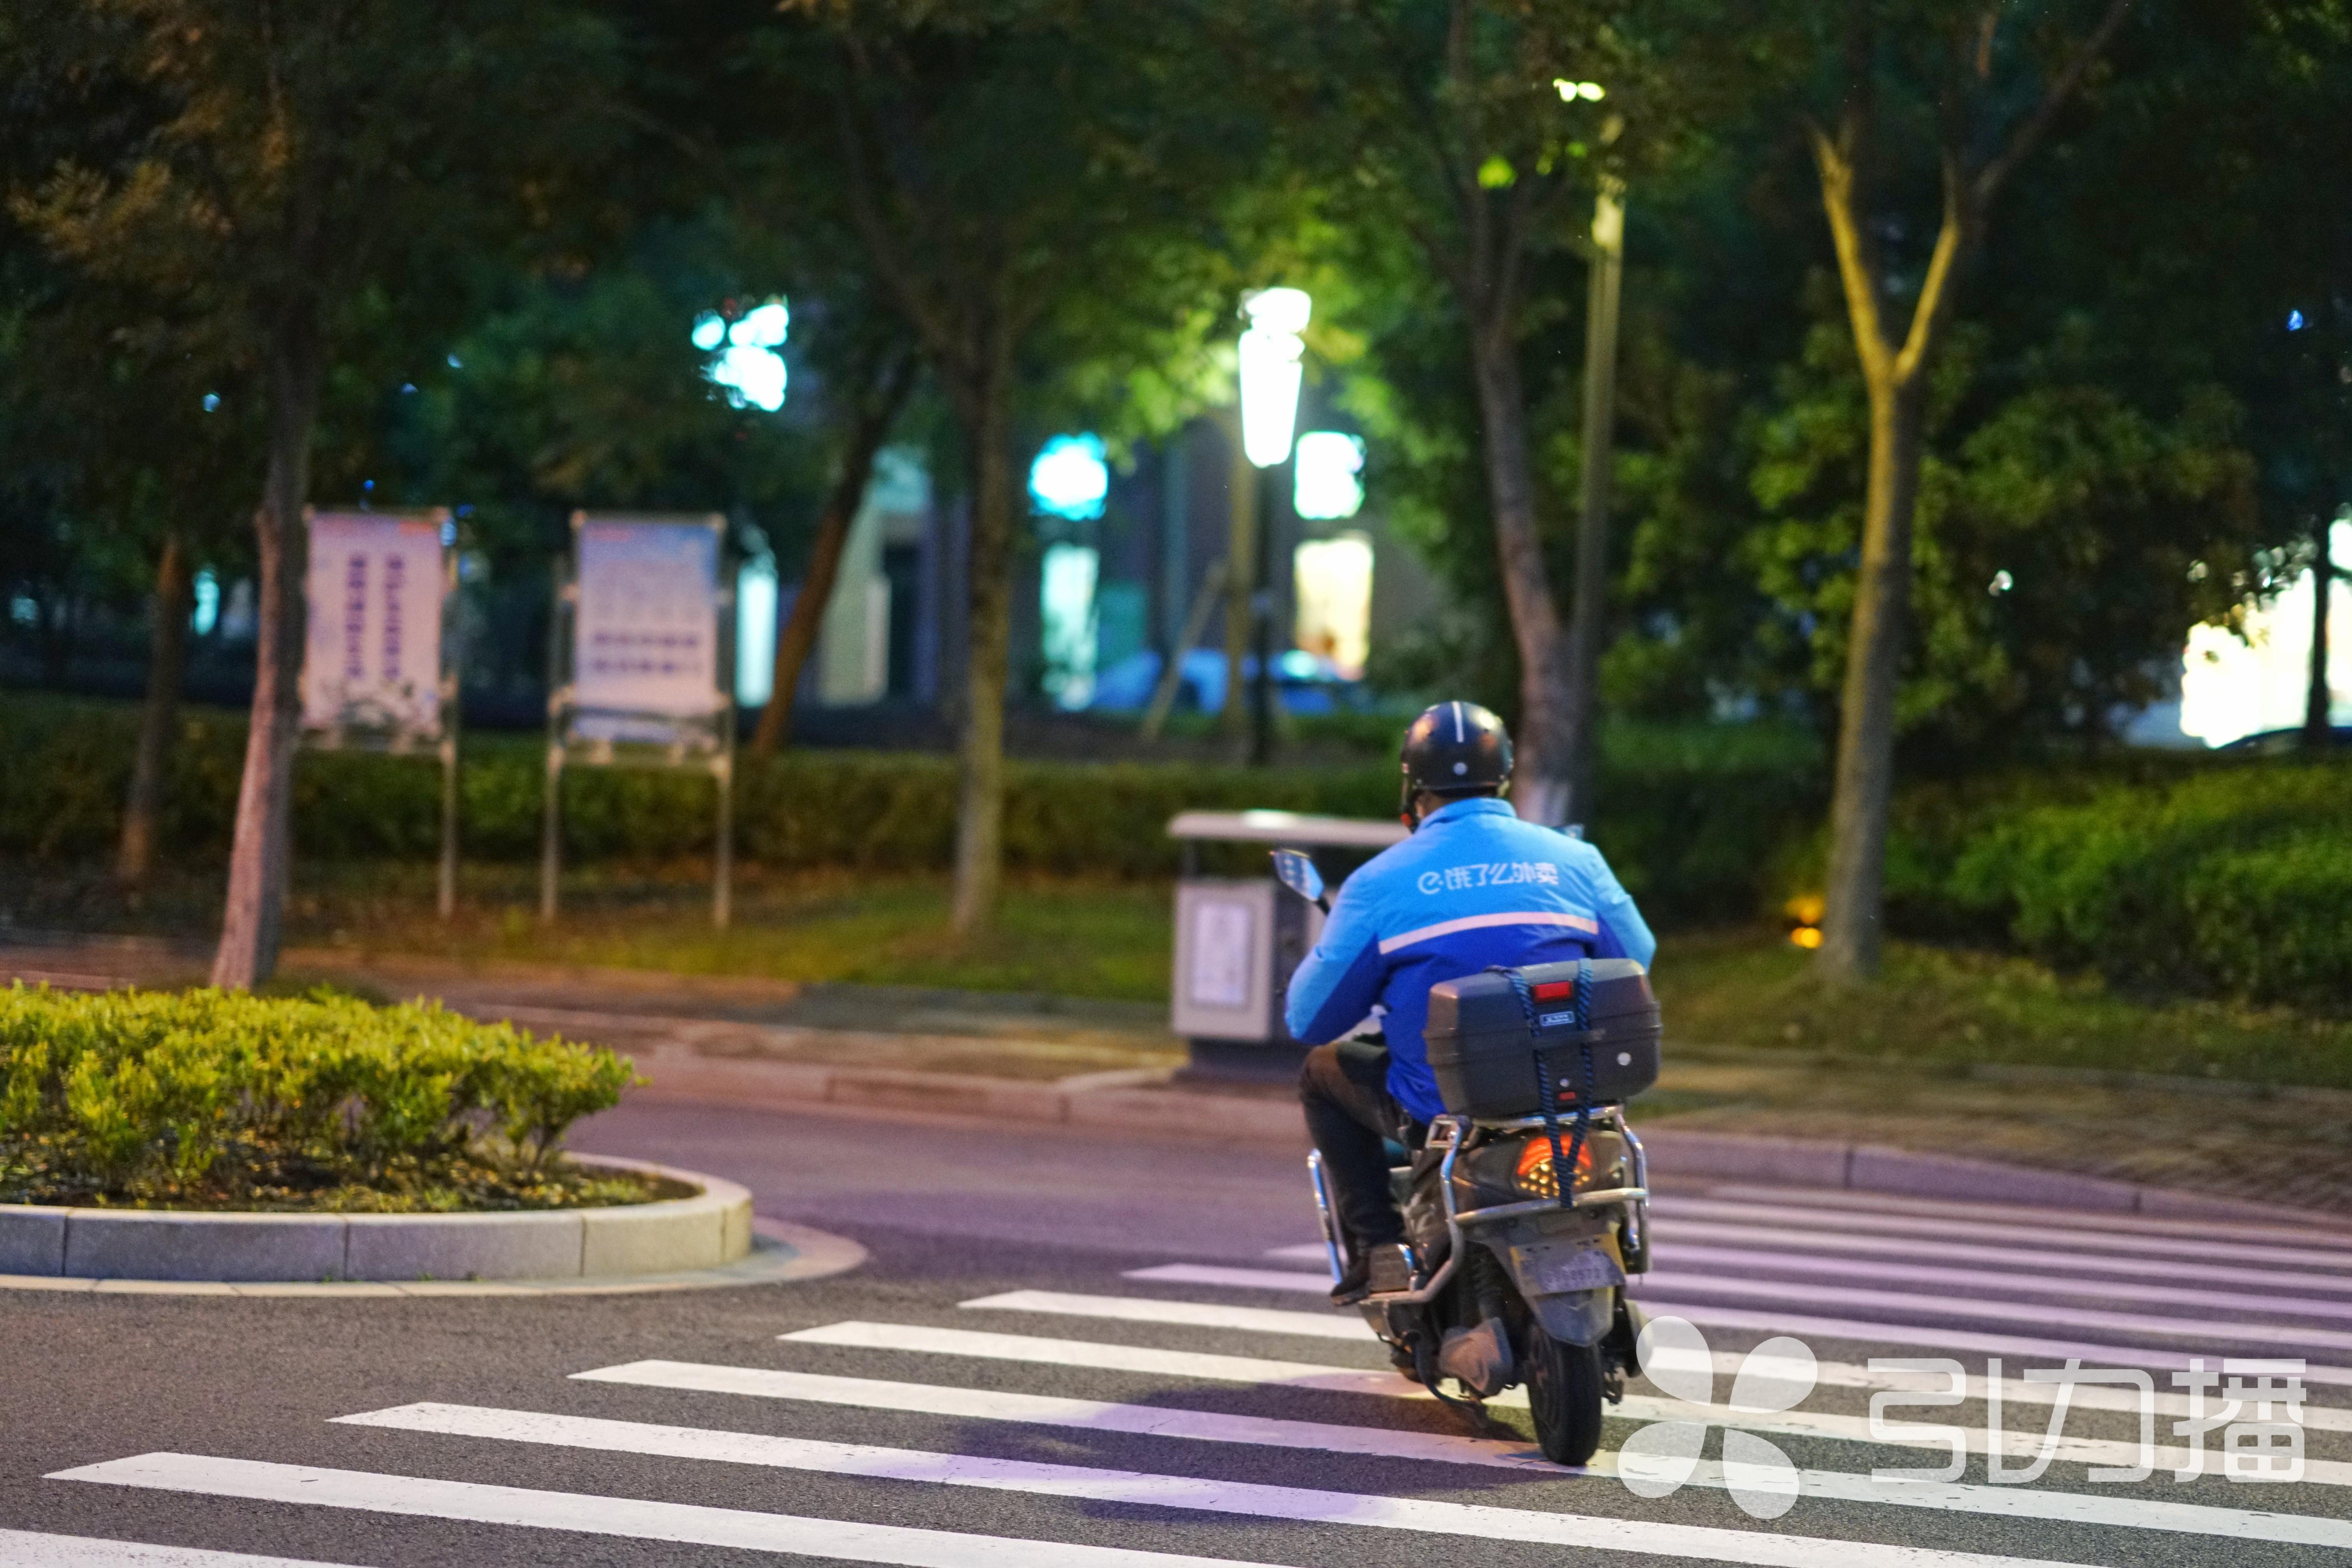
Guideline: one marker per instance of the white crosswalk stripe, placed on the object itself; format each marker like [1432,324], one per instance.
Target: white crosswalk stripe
[1670,1280]
[1891,1332]
[1763,1262]
[1208,1426]
[2190,1244]
[637,1518]
[2133,1513]
[1677,1260]
[1419,1514]
[1104,1357]
[1814,1243]
[32,1549]
[2204,1332]
[1185,1314]
[1084,1415]
[1928,1336]
[1043,1352]
[1287,1502]
[2019,1218]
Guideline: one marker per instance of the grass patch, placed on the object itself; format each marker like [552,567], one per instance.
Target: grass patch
[1958,1009]
[1067,937]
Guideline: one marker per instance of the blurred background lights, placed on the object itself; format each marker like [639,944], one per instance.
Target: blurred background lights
[1270,372]
[753,377]
[2233,686]
[2001,583]
[1574,92]
[1332,586]
[1329,474]
[765,327]
[1070,478]
[2295,321]
[205,613]
[212,401]
[755,632]
[746,360]
[1065,603]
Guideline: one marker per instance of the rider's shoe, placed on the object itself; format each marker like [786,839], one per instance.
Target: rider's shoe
[1355,1281]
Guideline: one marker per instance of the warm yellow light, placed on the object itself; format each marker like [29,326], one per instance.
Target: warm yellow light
[1806,937]
[1806,908]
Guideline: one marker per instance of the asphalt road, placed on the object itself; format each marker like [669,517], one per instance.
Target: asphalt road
[1075,1422]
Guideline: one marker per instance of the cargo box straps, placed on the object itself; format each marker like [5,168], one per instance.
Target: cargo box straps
[1548,1087]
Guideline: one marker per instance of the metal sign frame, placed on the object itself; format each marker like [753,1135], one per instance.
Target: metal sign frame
[399,740]
[708,745]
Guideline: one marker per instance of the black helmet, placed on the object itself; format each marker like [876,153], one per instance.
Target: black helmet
[1453,750]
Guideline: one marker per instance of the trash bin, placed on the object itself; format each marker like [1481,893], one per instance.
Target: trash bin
[1238,938]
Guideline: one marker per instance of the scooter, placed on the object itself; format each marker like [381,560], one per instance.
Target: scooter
[1507,1275]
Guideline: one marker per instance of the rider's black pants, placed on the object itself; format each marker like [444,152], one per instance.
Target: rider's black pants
[1350,1115]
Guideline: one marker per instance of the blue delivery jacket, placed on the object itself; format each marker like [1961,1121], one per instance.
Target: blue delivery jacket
[1474,886]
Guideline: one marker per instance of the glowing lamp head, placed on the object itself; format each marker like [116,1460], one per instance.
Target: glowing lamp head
[1270,372]
[1281,311]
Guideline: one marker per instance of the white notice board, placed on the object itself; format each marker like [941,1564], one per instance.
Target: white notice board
[645,634]
[372,659]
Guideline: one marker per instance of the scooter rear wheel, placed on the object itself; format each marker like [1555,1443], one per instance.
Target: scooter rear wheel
[1564,1396]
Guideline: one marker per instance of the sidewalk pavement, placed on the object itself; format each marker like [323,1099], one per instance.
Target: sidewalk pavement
[2008,1136]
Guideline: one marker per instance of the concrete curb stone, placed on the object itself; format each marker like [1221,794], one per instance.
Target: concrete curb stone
[708,1230]
[32,1240]
[133,1244]
[525,1245]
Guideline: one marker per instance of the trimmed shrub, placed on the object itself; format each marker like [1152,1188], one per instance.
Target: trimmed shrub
[209,1099]
[2237,881]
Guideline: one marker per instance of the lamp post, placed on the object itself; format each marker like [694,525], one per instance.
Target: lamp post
[1589,596]
[1270,377]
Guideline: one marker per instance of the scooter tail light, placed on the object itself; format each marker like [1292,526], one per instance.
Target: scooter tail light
[1535,1175]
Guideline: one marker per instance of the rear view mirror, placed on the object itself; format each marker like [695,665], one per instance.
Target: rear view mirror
[1295,869]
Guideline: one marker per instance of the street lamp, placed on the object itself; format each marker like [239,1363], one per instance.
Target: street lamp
[1270,372]
[1270,377]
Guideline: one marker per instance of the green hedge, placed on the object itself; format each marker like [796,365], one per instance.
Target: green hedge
[204,1097]
[2183,873]
[1692,823]
[2239,883]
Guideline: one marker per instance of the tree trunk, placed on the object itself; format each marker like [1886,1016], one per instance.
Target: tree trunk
[1541,787]
[1589,605]
[260,859]
[871,427]
[1241,579]
[986,415]
[159,714]
[2317,706]
[1852,933]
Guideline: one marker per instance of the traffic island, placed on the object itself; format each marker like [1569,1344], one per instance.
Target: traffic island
[159,1139]
[708,1229]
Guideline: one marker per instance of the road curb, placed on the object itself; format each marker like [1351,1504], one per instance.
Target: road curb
[710,1230]
[680,1074]
[1875,1168]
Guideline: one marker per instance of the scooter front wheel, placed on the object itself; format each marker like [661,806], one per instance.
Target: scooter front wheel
[1564,1395]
